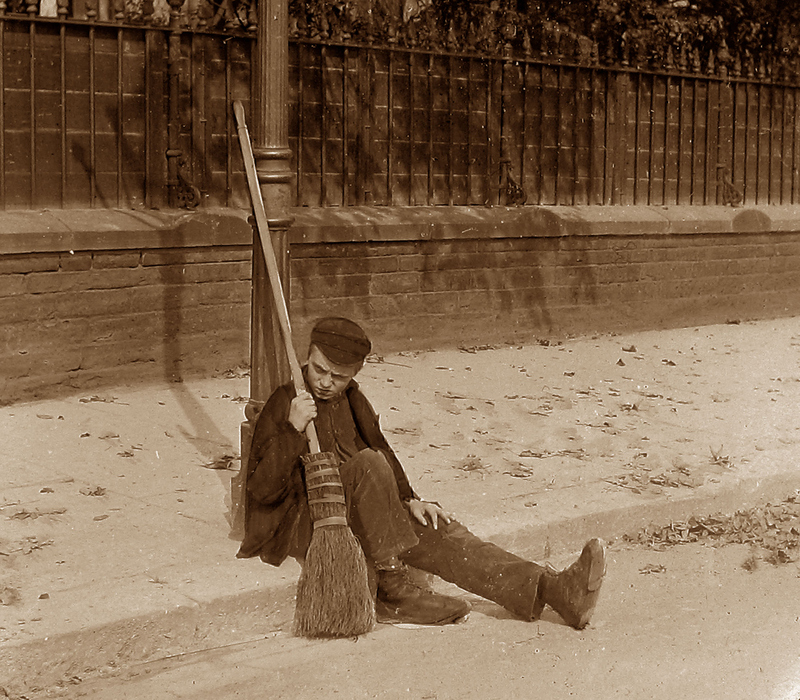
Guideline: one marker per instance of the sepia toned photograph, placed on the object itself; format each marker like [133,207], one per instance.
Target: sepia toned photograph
[400,349]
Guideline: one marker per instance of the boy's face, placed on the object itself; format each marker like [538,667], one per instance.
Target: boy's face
[327,379]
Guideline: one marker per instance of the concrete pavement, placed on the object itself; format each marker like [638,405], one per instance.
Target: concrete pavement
[115,537]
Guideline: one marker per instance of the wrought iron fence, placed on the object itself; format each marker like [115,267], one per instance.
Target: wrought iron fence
[405,127]
[127,105]
[113,115]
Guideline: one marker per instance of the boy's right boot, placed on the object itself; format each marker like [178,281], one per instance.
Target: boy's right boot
[401,599]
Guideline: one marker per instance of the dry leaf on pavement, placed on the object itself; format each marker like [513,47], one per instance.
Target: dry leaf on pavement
[225,461]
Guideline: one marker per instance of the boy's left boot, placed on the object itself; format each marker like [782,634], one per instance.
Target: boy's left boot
[573,592]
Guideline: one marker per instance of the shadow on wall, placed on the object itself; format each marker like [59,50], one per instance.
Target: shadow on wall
[573,256]
[518,300]
[494,291]
[88,161]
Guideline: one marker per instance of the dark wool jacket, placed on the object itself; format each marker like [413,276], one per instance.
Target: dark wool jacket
[276,511]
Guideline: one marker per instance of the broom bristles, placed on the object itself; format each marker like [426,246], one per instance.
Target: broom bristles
[333,593]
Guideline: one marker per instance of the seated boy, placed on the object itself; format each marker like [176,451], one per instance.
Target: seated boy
[394,527]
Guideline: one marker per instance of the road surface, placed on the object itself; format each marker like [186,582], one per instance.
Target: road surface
[687,623]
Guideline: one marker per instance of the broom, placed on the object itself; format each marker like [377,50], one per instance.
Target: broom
[333,592]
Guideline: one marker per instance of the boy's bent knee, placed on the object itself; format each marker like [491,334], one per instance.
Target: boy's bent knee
[366,464]
[366,461]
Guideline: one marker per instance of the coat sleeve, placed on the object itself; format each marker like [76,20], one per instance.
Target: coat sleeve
[275,451]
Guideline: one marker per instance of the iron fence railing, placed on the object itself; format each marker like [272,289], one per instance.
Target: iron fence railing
[405,127]
[116,116]
[103,107]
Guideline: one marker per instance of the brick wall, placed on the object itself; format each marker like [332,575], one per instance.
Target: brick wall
[518,275]
[159,299]
[169,307]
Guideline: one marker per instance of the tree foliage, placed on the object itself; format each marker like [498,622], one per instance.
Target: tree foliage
[764,31]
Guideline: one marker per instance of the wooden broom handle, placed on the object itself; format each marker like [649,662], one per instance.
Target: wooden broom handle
[262,226]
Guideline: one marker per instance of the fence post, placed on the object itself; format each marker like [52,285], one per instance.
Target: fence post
[270,120]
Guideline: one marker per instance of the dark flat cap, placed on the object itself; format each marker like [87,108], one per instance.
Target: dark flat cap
[341,340]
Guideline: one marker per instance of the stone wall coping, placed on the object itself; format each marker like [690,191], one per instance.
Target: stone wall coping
[334,225]
[64,230]
[25,232]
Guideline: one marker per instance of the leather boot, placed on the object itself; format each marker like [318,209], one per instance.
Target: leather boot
[401,599]
[573,593]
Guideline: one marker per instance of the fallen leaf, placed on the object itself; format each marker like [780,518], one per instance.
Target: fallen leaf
[529,453]
[31,544]
[653,569]
[237,373]
[579,454]
[99,517]
[25,514]
[93,491]
[720,459]
[475,348]
[44,416]
[451,395]
[471,463]
[621,481]
[225,461]
[403,431]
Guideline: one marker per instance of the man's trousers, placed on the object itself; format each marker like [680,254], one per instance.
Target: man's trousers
[385,529]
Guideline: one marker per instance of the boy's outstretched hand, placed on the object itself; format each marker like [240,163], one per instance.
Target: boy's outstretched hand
[425,511]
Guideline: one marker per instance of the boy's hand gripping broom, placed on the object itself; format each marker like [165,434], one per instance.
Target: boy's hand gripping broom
[333,593]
